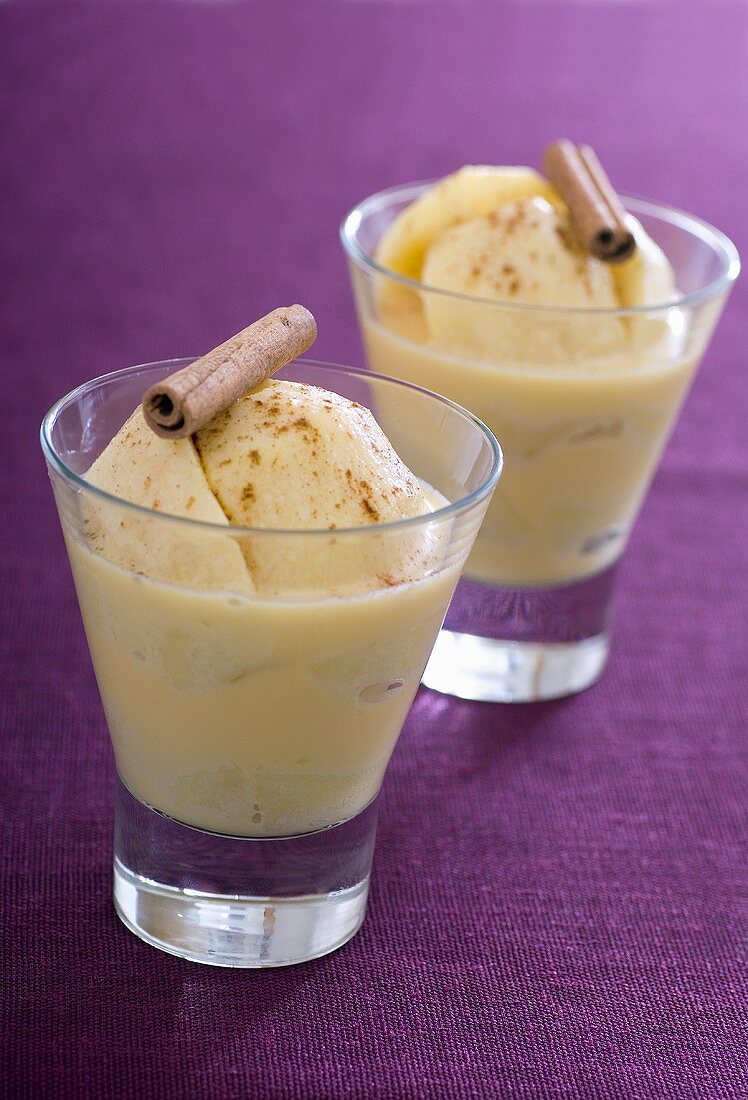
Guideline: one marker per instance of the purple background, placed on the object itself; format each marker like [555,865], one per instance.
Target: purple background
[558,904]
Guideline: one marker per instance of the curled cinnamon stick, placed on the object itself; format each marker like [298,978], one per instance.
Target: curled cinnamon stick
[596,210]
[185,401]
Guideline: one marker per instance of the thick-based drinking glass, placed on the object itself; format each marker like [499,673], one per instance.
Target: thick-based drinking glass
[583,401]
[252,729]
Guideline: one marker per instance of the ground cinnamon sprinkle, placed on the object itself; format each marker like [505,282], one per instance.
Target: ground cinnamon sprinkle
[387,580]
[567,238]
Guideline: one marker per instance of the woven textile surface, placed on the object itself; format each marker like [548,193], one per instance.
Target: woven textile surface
[558,904]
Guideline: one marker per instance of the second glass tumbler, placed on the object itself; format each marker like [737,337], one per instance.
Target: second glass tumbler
[583,401]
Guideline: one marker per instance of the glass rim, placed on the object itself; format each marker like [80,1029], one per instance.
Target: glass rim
[720,243]
[464,504]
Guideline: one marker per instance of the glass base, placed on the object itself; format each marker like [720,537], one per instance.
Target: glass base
[491,671]
[237,931]
[518,645]
[239,901]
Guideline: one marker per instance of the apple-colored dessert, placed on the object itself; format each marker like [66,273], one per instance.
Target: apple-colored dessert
[503,310]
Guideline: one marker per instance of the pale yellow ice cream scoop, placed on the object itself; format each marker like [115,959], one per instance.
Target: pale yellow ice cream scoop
[165,476]
[524,253]
[471,192]
[294,457]
[505,235]
[287,456]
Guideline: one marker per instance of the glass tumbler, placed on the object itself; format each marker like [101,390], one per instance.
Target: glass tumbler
[583,401]
[252,729]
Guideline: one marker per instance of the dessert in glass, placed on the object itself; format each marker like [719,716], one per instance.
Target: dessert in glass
[260,597]
[481,287]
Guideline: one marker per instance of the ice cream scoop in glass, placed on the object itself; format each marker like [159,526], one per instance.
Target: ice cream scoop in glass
[476,287]
[260,600]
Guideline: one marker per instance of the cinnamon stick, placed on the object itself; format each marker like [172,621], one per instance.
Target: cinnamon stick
[185,401]
[596,210]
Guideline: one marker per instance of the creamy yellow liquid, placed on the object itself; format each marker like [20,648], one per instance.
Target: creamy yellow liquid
[580,446]
[248,716]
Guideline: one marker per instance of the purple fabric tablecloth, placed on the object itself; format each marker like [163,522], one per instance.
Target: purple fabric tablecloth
[558,903]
